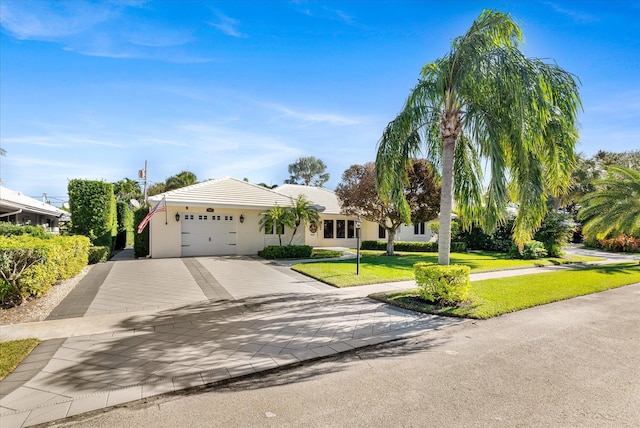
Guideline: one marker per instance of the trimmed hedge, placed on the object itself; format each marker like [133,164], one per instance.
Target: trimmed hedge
[98,254]
[60,258]
[443,285]
[412,247]
[286,252]
[125,226]
[93,211]
[9,229]
[140,240]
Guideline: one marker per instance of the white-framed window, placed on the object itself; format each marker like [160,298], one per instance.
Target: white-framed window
[419,229]
[327,227]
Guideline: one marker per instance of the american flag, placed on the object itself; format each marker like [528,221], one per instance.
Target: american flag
[161,206]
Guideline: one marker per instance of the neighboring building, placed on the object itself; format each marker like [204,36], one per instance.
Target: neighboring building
[20,209]
[221,217]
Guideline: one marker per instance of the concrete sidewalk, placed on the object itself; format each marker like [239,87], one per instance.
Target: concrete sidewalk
[138,328]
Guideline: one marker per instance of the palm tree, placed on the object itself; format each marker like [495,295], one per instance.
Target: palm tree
[184,179]
[485,101]
[277,217]
[302,212]
[308,171]
[614,207]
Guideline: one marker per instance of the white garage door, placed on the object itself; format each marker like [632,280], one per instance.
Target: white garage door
[208,234]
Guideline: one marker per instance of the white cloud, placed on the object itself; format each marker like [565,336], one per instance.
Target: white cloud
[575,15]
[227,25]
[312,117]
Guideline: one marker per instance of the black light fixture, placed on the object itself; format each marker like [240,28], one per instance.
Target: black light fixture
[177,217]
[241,218]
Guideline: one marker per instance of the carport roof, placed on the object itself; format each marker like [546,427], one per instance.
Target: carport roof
[227,192]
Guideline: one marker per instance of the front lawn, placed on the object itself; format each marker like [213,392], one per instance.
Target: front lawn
[376,268]
[492,297]
[13,352]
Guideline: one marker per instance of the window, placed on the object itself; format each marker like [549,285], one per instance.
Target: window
[328,228]
[382,233]
[340,229]
[268,229]
[418,228]
[351,229]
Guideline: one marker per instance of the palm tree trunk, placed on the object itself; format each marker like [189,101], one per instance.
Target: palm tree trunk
[390,241]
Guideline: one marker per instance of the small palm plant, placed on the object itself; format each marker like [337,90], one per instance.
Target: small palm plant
[302,212]
[614,207]
[276,217]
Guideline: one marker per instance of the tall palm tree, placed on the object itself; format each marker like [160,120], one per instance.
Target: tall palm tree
[614,207]
[485,101]
[183,179]
[302,212]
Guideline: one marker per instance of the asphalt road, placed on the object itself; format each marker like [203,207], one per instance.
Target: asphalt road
[571,363]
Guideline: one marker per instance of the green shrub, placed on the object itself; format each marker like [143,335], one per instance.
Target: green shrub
[9,229]
[140,240]
[40,263]
[621,244]
[443,285]
[532,250]
[286,252]
[412,247]
[93,210]
[125,226]
[98,254]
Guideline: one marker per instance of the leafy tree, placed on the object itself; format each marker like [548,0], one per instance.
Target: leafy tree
[157,188]
[276,217]
[127,189]
[358,196]
[614,207]
[308,171]
[484,100]
[301,213]
[629,159]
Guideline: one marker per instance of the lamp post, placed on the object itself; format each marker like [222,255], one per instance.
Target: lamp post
[358,226]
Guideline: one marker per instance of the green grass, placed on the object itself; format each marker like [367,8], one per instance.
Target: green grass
[13,352]
[325,254]
[492,297]
[376,268]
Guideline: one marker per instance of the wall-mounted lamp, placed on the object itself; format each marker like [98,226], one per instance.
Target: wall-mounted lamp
[177,217]
[241,218]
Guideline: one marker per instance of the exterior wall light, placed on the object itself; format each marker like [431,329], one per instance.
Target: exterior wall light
[241,218]
[177,217]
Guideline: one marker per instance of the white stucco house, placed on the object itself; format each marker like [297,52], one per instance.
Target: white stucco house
[17,208]
[221,217]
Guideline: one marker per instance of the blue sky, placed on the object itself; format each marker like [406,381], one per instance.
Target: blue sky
[220,88]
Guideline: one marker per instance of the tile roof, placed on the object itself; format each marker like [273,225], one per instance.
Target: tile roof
[318,195]
[228,192]
[10,200]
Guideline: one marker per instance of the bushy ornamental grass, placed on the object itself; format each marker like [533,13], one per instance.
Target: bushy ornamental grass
[13,352]
[493,297]
[376,267]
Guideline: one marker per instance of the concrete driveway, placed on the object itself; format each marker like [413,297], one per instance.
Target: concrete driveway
[133,329]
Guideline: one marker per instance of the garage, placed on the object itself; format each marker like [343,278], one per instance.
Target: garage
[208,234]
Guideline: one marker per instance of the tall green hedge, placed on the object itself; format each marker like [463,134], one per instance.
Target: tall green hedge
[420,247]
[9,229]
[141,240]
[125,226]
[93,211]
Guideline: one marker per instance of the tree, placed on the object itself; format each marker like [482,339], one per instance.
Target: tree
[614,207]
[127,189]
[301,213]
[629,159]
[485,100]
[308,171]
[178,181]
[358,197]
[277,217]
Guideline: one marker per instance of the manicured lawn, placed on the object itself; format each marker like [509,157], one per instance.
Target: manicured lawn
[492,297]
[11,353]
[377,268]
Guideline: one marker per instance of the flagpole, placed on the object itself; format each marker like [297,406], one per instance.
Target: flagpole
[165,210]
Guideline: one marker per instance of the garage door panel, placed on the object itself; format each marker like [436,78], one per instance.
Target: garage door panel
[208,234]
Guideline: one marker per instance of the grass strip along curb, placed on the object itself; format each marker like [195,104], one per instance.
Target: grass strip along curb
[492,297]
[376,268]
[13,352]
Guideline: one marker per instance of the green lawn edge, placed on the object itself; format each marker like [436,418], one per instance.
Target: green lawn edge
[13,352]
[376,268]
[493,297]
